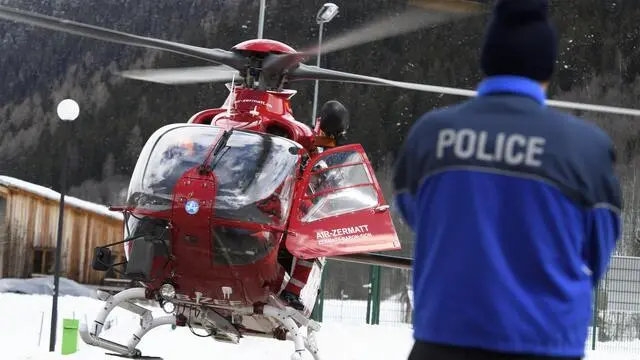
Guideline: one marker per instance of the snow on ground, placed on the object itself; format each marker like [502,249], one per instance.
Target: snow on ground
[25,322]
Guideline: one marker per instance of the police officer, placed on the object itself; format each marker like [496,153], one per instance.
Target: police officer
[515,207]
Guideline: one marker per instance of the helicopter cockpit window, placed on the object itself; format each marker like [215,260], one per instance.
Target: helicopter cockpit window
[167,155]
[339,183]
[254,173]
[255,178]
[340,169]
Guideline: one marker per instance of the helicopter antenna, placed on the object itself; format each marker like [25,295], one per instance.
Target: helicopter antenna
[233,93]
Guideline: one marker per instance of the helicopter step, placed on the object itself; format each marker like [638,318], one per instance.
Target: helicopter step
[223,337]
[220,328]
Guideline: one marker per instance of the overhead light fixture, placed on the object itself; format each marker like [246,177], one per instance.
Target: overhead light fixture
[326,13]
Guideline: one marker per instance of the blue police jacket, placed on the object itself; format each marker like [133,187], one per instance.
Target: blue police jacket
[516,210]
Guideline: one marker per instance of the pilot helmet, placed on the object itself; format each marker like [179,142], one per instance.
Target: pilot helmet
[334,119]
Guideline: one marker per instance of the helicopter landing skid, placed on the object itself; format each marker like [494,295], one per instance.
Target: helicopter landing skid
[147,322]
[137,358]
[292,320]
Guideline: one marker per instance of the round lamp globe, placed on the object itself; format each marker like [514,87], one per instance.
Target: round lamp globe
[68,110]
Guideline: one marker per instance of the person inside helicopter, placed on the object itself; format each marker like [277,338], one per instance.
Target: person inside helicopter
[178,157]
[334,123]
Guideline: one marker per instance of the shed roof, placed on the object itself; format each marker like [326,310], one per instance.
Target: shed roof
[47,193]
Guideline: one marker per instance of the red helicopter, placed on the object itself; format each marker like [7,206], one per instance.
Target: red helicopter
[219,208]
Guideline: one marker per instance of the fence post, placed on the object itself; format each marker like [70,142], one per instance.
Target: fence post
[375,294]
[316,314]
[594,322]
[369,287]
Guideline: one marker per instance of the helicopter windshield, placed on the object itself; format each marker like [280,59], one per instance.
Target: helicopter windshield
[253,172]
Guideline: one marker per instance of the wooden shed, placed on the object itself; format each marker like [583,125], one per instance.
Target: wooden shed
[29,227]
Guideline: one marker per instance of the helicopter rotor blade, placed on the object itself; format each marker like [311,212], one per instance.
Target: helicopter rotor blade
[48,22]
[451,5]
[310,72]
[408,21]
[188,75]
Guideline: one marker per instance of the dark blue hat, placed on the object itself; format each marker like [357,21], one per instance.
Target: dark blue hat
[520,40]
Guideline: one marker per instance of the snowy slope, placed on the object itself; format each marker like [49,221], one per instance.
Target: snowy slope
[21,317]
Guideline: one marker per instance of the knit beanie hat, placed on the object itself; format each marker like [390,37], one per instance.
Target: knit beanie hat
[520,40]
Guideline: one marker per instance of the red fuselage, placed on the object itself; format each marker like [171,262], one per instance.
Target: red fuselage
[200,266]
[194,237]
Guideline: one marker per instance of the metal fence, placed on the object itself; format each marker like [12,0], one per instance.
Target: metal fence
[362,294]
[616,311]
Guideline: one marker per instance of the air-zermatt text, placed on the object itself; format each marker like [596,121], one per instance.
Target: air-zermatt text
[360,229]
[342,234]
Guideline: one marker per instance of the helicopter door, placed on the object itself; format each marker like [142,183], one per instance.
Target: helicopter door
[341,209]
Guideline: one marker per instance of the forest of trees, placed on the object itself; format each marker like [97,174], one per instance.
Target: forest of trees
[599,63]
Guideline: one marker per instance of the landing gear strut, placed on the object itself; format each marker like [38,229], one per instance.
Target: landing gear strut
[291,321]
[147,323]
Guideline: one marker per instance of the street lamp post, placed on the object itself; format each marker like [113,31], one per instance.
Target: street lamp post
[68,110]
[326,13]
[261,19]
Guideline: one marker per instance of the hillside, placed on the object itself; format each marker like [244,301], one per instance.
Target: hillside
[599,63]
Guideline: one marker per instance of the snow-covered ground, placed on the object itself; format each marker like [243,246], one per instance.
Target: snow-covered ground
[25,321]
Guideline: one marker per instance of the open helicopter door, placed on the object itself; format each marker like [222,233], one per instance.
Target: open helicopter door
[340,208]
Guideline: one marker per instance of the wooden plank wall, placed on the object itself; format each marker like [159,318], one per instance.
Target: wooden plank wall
[31,221]
[4,228]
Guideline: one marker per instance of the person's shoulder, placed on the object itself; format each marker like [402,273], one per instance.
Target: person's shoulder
[587,132]
[424,127]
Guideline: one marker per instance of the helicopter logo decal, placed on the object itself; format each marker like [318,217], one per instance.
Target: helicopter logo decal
[192,207]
